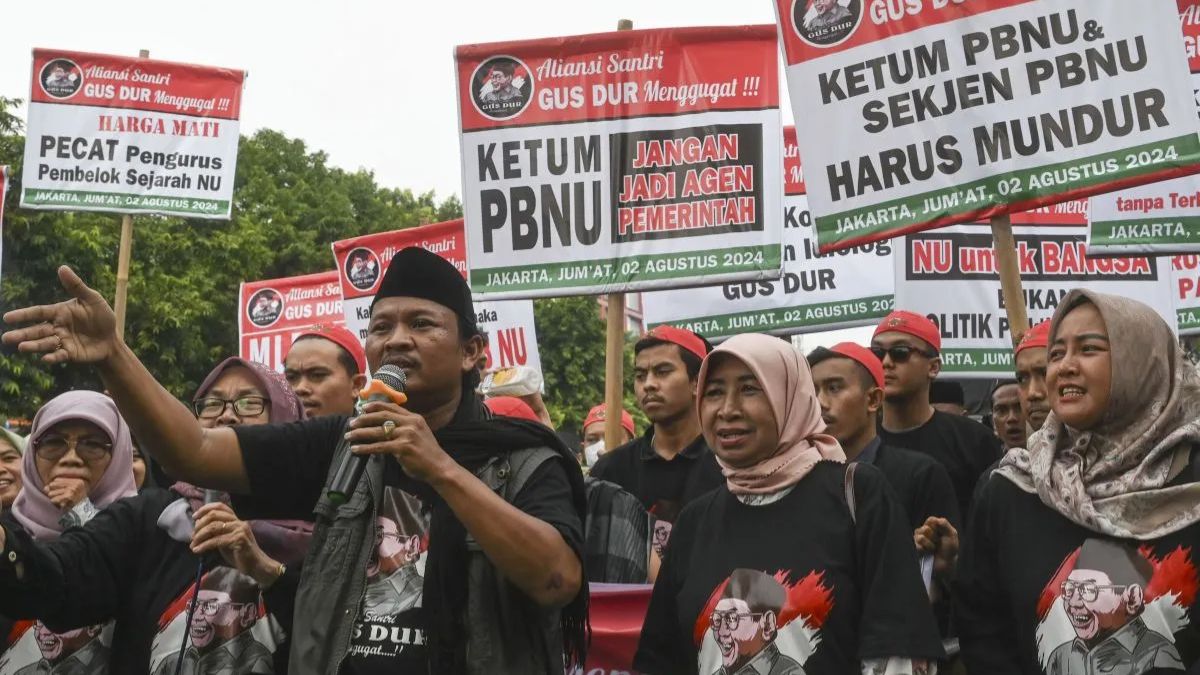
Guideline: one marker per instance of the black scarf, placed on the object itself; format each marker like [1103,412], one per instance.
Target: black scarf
[473,439]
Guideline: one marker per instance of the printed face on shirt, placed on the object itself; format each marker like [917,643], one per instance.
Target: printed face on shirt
[395,549]
[1007,419]
[1031,385]
[314,371]
[909,376]
[421,338]
[85,458]
[1095,606]
[849,398]
[661,384]
[740,633]
[218,619]
[10,473]
[58,646]
[823,6]
[236,382]
[735,415]
[1079,370]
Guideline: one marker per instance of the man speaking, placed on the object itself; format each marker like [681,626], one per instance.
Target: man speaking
[500,501]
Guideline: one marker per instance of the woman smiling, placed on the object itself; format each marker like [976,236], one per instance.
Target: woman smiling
[1082,547]
[796,564]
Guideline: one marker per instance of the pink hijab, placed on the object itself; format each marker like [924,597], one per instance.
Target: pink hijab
[32,508]
[787,381]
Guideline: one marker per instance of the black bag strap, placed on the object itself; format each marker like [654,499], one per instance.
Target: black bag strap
[849,488]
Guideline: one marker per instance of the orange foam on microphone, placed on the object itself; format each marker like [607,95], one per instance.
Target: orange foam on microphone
[376,387]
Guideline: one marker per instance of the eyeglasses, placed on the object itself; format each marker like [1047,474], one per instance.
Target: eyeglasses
[211,607]
[732,618]
[1088,590]
[900,353]
[53,448]
[246,406]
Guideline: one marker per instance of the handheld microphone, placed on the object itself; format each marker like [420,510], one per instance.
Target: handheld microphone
[387,385]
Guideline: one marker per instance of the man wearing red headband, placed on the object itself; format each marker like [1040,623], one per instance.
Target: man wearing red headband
[326,366]
[1030,358]
[670,464]
[908,345]
[849,382]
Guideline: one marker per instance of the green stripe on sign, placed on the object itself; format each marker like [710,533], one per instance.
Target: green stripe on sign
[620,271]
[864,310]
[1188,319]
[103,201]
[1147,231]
[977,360]
[884,220]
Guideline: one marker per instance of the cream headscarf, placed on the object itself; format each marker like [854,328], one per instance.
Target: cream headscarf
[788,384]
[1112,479]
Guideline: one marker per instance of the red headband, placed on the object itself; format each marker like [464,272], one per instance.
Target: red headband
[511,406]
[864,357]
[340,336]
[597,414]
[1038,336]
[913,324]
[678,336]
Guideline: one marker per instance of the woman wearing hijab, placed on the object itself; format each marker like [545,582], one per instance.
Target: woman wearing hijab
[798,564]
[1082,554]
[136,561]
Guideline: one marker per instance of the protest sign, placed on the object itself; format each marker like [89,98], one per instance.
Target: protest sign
[128,135]
[1186,282]
[621,161]
[273,312]
[950,276]
[817,292]
[914,115]
[361,261]
[1160,217]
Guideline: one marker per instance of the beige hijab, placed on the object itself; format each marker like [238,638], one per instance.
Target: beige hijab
[787,382]
[1112,479]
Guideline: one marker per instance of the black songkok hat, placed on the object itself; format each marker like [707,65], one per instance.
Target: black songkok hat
[417,273]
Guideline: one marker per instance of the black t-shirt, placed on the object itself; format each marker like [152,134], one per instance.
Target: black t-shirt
[122,566]
[921,484]
[288,465]
[836,590]
[965,447]
[664,487]
[1012,615]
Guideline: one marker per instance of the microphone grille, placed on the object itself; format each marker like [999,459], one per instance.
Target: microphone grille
[392,376]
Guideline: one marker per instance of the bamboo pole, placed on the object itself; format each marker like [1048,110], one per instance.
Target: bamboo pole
[614,353]
[123,255]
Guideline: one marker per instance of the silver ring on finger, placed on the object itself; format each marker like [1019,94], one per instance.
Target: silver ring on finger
[389,427]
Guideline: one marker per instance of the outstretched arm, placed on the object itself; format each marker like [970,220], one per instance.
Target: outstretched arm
[83,330]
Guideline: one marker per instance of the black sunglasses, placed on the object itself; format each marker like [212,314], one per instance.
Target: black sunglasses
[900,353]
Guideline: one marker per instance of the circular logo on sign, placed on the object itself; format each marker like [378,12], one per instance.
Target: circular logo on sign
[61,78]
[362,268]
[824,23]
[265,307]
[501,87]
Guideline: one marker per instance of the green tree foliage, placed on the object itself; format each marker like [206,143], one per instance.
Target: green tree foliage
[571,340]
[289,204]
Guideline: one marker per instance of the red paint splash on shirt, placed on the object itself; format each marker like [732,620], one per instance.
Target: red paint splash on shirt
[1054,589]
[1173,574]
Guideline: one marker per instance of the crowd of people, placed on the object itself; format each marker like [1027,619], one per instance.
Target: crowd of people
[833,512]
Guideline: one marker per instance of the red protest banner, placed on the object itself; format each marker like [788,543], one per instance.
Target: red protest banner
[361,261]
[274,311]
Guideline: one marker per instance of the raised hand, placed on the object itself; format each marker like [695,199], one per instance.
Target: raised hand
[80,330]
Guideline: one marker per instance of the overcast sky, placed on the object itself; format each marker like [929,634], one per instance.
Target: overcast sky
[369,82]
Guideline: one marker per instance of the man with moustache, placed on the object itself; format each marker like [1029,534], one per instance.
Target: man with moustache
[1030,361]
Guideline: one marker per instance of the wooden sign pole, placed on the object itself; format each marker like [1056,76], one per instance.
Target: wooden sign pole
[614,353]
[1010,276]
[123,256]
